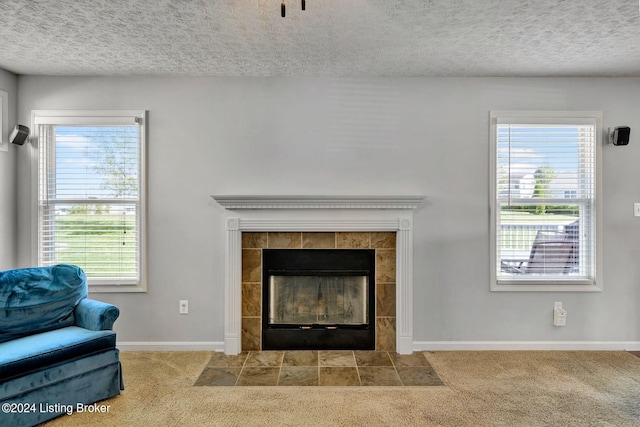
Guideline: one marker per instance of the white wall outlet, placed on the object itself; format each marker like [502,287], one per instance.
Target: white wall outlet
[636,209]
[557,305]
[184,306]
[559,317]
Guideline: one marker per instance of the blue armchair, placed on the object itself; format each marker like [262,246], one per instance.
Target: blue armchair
[57,347]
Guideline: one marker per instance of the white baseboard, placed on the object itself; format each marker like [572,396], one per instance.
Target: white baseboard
[525,345]
[417,345]
[170,346]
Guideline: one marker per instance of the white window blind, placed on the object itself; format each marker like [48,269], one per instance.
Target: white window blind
[545,191]
[91,193]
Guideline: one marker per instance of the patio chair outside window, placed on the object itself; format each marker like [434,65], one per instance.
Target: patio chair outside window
[551,253]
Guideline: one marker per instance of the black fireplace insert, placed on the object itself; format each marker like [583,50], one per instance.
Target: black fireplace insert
[318,299]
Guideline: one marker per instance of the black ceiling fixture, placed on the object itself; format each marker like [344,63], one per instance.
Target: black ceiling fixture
[283,8]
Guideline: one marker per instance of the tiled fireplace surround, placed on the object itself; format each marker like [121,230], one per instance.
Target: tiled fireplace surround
[384,244]
[382,223]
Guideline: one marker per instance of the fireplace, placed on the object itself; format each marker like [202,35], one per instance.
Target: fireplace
[344,215]
[320,299]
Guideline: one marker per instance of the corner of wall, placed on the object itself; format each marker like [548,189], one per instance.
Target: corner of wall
[8,190]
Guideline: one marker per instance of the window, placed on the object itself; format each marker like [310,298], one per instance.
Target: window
[91,195]
[545,197]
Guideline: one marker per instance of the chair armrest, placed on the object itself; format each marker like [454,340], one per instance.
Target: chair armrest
[509,266]
[95,315]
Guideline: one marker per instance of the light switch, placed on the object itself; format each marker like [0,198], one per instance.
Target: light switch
[636,209]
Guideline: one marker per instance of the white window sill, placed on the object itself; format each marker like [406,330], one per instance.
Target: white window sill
[97,289]
[512,286]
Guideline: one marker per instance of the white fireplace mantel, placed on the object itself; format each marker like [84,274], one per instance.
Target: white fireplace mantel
[319,213]
[319,202]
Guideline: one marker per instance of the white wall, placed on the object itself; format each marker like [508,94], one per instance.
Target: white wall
[313,135]
[8,225]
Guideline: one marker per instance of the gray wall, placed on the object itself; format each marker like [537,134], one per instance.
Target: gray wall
[8,211]
[313,135]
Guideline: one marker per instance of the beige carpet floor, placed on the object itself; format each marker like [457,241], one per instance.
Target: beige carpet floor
[481,389]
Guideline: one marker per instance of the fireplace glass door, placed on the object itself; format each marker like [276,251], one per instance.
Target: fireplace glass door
[318,299]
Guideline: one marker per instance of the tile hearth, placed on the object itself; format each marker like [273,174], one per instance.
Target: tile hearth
[319,368]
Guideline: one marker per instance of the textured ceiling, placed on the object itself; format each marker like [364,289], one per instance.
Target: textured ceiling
[332,37]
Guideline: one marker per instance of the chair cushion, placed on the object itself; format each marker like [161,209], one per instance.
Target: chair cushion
[35,352]
[39,299]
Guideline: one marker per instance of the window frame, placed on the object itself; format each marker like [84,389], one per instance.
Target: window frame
[102,117]
[569,285]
